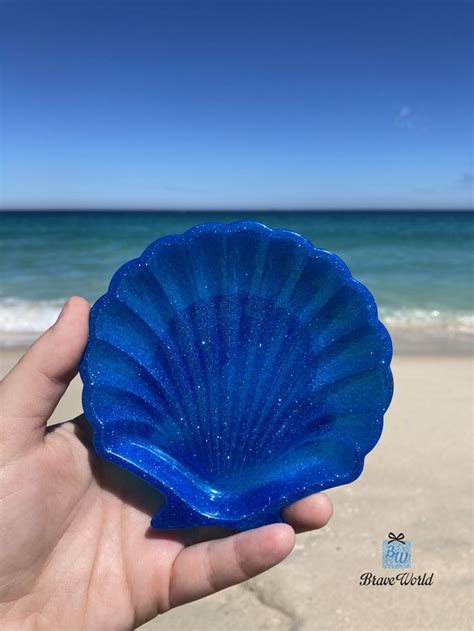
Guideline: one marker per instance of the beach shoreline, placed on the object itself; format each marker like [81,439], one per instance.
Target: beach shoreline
[407,341]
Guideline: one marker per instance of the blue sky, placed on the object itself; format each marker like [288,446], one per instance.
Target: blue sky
[223,105]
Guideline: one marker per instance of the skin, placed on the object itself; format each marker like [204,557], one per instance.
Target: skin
[76,548]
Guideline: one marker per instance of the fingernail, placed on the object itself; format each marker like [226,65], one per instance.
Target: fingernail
[63,310]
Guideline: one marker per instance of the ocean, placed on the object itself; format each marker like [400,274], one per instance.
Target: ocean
[418,265]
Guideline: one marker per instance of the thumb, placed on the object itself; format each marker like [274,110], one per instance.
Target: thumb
[33,388]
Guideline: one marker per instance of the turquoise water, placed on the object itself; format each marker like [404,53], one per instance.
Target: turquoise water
[418,265]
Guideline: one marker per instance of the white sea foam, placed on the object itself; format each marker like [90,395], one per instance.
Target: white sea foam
[22,321]
[428,318]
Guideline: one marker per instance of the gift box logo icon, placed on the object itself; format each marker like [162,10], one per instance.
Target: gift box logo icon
[396,552]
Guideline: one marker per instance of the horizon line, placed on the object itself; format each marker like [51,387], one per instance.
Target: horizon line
[240,210]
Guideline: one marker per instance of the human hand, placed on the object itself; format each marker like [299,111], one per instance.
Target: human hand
[76,548]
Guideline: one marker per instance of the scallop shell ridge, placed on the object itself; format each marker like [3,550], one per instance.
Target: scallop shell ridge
[237,369]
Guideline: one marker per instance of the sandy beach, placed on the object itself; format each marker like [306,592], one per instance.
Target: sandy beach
[418,481]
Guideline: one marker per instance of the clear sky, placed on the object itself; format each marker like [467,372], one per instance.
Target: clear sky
[249,105]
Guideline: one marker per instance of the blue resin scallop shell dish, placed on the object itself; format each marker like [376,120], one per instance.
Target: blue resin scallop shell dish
[236,368]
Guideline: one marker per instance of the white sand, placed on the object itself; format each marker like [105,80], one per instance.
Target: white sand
[418,480]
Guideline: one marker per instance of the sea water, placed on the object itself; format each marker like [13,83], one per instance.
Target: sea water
[418,265]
